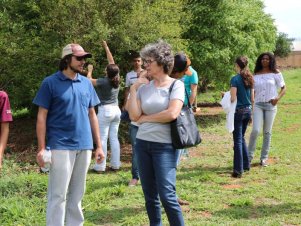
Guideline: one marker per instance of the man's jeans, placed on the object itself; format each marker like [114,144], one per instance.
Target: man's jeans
[109,120]
[180,153]
[133,132]
[66,187]
[263,115]
[157,168]
[241,119]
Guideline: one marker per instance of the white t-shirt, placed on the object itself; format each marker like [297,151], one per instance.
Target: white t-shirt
[130,78]
[266,86]
[154,100]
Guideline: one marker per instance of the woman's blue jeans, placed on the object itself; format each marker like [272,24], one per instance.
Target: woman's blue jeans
[241,160]
[157,168]
[263,116]
[133,132]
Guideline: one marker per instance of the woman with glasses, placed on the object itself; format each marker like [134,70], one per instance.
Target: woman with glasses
[268,79]
[153,106]
[107,89]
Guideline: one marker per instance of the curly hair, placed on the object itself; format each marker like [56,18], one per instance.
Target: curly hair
[113,75]
[161,52]
[272,65]
[245,73]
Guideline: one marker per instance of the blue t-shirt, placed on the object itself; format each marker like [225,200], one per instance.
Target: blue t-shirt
[243,94]
[68,102]
[188,80]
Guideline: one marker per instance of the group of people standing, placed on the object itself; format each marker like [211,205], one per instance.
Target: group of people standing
[257,97]
[68,122]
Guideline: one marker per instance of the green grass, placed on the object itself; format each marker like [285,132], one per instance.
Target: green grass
[264,196]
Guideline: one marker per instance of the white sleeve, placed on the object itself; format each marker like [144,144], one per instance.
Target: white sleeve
[127,80]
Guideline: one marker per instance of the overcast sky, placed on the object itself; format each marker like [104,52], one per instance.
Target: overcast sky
[287,15]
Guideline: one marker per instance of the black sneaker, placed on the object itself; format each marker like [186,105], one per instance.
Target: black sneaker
[236,175]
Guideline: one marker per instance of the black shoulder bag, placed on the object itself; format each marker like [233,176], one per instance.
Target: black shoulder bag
[184,130]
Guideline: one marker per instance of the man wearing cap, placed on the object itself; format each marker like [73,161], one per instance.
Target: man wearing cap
[66,118]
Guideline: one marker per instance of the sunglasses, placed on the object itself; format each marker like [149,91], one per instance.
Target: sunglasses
[80,58]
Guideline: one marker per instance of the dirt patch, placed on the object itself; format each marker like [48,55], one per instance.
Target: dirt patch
[271,161]
[23,143]
[215,110]
[206,214]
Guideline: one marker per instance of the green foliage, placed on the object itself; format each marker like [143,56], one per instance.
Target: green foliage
[213,33]
[33,34]
[283,45]
[221,30]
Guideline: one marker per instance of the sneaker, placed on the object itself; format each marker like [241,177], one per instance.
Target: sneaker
[183,202]
[133,182]
[264,163]
[113,169]
[98,169]
[236,175]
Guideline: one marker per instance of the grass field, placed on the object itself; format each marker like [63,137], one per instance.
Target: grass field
[264,196]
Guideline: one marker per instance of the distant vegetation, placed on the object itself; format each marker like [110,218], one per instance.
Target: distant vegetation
[213,33]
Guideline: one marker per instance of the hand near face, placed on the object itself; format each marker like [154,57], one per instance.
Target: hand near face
[90,68]
[140,81]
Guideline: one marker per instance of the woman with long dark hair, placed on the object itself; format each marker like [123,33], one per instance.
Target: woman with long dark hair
[109,113]
[241,90]
[268,79]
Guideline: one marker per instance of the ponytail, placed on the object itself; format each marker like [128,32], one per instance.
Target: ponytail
[113,75]
[245,73]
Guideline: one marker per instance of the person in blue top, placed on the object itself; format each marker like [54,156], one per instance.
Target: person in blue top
[182,70]
[241,90]
[67,120]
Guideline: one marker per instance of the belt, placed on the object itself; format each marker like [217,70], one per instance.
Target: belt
[243,109]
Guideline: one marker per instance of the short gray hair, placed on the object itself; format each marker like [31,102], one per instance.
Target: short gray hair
[161,52]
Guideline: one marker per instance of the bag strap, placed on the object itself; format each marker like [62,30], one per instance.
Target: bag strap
[186,93]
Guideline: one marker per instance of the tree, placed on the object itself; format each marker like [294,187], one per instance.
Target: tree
[220,31]
[33,33]
[283,45]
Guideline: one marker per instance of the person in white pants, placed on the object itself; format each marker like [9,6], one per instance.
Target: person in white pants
[67,117]
[109,112]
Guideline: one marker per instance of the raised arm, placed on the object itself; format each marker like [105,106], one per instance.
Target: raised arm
[108,53]
[89,75]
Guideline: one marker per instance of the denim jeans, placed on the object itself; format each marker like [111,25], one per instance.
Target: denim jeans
[180,153]
[157,168]
[109,120]
[66,187]
[241,160]
[263,115]
[133,132]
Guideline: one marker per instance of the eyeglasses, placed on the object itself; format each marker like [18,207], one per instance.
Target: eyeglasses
[148,62]
[80,58]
